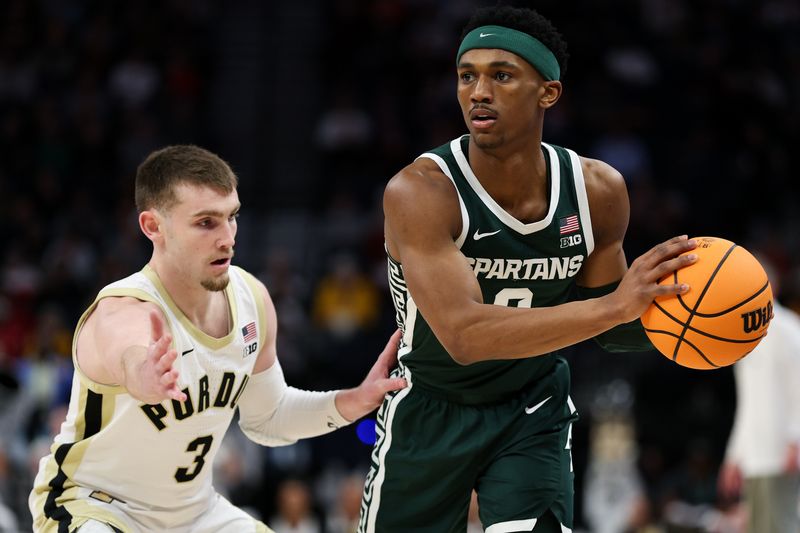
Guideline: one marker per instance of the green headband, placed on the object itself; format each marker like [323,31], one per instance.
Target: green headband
[527,47]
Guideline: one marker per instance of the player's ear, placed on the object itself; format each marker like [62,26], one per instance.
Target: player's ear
[150,222]
[550,93]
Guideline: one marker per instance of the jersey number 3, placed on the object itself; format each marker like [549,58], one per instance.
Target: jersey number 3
[182,475]
[514,297]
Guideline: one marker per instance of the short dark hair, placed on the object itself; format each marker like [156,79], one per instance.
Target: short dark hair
[524,20]
[163,169]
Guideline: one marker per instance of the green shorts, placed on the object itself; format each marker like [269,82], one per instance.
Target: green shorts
[431,453]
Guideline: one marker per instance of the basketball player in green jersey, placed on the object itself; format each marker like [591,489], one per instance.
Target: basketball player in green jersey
[488,237]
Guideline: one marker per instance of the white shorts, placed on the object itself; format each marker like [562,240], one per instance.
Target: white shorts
[93,516]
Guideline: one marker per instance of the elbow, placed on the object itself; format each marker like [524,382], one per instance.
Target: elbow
[460,349]
[463,334]
[462,358]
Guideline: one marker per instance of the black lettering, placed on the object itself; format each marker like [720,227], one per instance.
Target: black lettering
[203,399]
[183,409]
[753,320]
[239,391]
[183,475]
[225,389]
[155,413]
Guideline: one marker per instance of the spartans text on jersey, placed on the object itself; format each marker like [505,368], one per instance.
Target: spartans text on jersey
[527,269]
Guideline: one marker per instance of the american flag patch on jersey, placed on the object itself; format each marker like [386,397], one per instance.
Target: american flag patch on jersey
[249,332]
[568,224]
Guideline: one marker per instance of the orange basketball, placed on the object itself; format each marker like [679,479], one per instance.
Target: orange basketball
[724,315]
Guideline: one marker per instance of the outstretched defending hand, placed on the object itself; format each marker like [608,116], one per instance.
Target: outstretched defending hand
[157,379]
[355,403]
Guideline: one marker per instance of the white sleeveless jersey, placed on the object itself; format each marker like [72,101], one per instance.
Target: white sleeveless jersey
[155,458]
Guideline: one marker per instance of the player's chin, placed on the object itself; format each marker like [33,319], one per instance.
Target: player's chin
[486,140]
[216,283]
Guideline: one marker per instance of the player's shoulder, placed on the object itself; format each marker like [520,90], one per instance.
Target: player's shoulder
[113,309]
[246,276]
[422,179]
[608,200]
[601,178]
[421,198]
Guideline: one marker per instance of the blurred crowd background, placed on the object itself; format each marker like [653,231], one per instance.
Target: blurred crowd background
[316,104]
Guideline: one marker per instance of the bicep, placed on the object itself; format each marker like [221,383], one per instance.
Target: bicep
[115,325]
[419,230]
[120,325]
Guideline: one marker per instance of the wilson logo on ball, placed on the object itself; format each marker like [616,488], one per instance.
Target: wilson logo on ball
[757,319]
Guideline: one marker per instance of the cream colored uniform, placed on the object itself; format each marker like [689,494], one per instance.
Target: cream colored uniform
[141,467]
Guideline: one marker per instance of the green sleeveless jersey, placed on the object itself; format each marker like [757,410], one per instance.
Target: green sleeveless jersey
[516,264]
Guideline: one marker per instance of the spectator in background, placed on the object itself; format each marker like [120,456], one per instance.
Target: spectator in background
[761,462]
[343,518]
[346,301]
[294,509]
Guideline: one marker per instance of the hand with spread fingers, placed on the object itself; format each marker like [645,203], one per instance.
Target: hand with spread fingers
[357,402]
[639,287]
[157,378]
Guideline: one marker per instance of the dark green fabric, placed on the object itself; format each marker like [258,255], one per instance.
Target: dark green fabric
[628,337]
[432,453]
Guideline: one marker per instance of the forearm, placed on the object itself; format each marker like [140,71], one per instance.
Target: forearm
[125,369]
[352,404]
[626,337]
[488,332]
[273,414]
[142,378]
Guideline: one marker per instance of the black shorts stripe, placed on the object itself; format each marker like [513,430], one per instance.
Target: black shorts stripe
[93,413]
[51,510]
[93,417]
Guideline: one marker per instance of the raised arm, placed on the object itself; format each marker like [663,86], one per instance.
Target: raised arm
[126,342]
[422,220]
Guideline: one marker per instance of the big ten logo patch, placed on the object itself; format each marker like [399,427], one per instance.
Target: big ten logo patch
[250,349]
[571,240]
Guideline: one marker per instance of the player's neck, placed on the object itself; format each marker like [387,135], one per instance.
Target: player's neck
[194,301]
[510,172]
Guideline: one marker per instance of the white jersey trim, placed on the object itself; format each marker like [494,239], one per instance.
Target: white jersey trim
[512,526]
[583,201]
[494,207]
[408,334]
[519,525]
[464,215]
[215,343]
[381,450]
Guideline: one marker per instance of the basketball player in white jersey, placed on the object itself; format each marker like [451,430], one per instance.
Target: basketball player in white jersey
[162,360]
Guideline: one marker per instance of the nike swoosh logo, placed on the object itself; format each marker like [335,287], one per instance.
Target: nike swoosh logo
[478,235]
[187,351]
[531,410]
[482,35]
